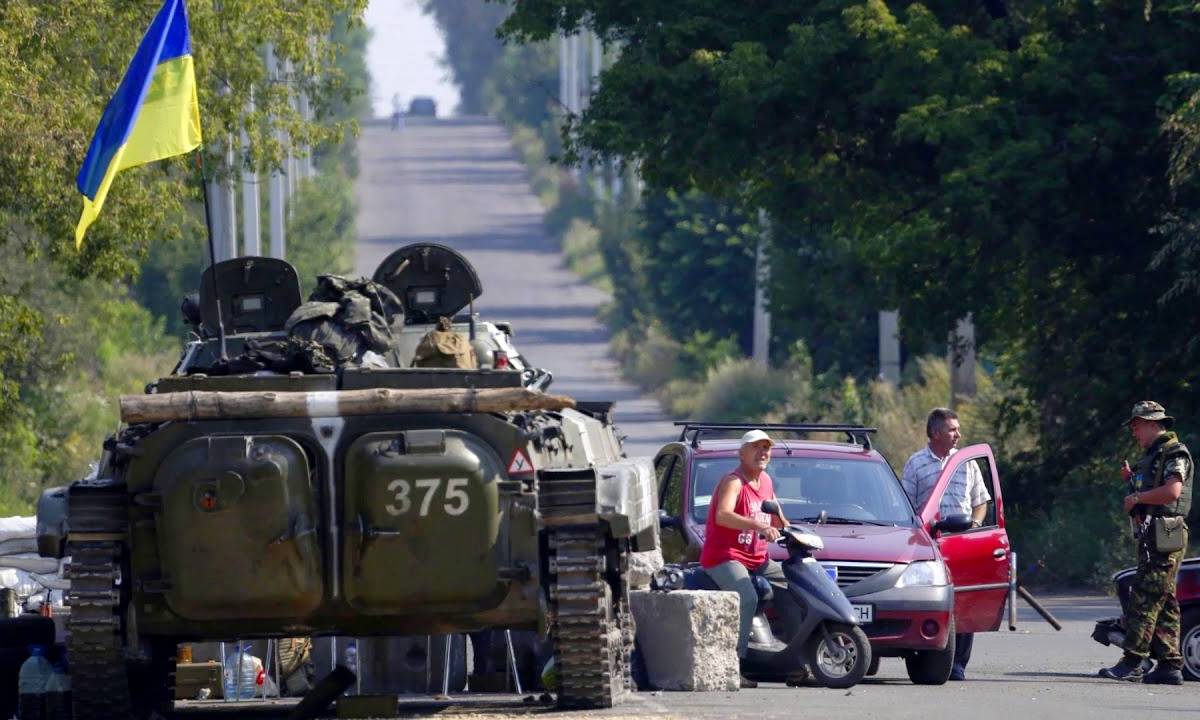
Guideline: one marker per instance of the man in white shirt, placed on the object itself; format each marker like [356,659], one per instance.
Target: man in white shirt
[966,494]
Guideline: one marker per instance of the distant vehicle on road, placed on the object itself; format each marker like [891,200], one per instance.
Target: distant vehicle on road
[422,105]
[913,577]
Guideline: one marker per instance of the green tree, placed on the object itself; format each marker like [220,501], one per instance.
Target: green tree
[695,260]
[522,85]
[71,337]
[469,30]
[1010,159]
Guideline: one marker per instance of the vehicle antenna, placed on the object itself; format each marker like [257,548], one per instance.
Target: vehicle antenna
[212,259]
[471,317]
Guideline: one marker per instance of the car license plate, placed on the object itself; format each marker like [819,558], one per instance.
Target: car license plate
[865,613]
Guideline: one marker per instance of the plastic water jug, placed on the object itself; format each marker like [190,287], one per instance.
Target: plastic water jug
[32,681]
[58,694]
[250,667]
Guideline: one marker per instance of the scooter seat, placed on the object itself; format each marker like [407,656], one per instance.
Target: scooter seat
[695,578]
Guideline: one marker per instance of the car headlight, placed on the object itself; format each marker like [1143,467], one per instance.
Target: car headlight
[924,573]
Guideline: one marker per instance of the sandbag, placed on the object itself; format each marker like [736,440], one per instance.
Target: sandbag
[17,527]
[30,563]
[20,581]
[15,546]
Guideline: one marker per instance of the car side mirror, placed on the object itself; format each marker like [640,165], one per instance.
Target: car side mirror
[666,520]
[953,524]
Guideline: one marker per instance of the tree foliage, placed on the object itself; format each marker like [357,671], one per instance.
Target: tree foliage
[472,48]
[691,256]
[71,335]
[1027,162]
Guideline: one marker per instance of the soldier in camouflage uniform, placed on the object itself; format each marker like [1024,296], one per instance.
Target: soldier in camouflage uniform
[1161,496]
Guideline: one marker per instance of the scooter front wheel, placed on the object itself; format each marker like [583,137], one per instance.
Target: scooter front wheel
[838,655]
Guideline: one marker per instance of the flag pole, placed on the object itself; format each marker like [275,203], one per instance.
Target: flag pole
[212,254]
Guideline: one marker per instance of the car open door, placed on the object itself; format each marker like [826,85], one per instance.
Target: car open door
[669,467]
[978,557]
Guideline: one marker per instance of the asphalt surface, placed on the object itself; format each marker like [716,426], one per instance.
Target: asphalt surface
[458,183]
[1032,673]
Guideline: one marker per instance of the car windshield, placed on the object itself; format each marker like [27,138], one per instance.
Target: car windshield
[848,491]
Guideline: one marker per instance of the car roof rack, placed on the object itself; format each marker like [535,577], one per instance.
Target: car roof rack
[858,434]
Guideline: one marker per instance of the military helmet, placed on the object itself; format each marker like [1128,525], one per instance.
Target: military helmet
[1150,410]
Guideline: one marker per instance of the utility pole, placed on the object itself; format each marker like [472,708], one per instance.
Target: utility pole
[889,346]
[251,236]
[292,167]
[564,52]
[306,163]
[961,357]
[215,213]
[593,85]
[223,202]
[277,184]
[762,275]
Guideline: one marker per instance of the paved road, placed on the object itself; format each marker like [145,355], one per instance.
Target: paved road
[1034,673]
[458,183]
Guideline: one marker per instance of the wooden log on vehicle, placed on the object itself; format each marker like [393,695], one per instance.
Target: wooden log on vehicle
[207,405]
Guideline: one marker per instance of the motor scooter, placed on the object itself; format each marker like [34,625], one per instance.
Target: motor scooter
[826,638]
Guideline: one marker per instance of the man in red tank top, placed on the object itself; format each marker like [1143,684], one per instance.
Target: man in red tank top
[737,532]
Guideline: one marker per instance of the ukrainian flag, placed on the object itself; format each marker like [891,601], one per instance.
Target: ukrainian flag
[153,115]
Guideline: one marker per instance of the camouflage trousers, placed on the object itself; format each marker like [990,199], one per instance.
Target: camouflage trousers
[1152,612]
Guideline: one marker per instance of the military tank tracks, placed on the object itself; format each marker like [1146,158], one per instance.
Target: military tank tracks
[99,684]
[106,682]
[588,591]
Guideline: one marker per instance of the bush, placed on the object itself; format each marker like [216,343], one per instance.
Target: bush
[581,248]
[738,390]
[1081,540]
[900,413]
[651,357]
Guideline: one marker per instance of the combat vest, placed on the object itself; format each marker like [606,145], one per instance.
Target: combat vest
[1149,474]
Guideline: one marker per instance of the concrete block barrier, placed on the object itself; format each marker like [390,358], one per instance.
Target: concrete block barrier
[642,566]
[688,638]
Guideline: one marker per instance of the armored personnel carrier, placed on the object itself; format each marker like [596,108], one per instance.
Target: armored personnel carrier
[370,499]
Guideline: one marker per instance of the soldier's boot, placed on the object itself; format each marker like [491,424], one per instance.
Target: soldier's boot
[1164,675]
[1128,670]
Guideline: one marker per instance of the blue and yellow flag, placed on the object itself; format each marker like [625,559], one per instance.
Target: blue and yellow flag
[153,115]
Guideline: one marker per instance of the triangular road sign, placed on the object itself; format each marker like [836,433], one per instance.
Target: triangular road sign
[520,463]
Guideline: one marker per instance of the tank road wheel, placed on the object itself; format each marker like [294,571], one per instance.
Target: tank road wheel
[590,625]
[105,684]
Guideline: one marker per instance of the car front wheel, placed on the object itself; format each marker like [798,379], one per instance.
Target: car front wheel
[1189,643]
[932,667]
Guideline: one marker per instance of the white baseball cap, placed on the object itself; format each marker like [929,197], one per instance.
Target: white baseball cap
[755,436]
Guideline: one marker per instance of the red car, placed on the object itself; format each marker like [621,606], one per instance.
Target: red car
[914,578]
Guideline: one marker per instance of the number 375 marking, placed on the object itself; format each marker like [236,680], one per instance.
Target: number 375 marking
[456,499]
